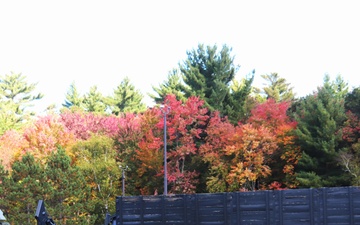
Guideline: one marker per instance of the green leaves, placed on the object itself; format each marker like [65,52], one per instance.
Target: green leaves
[15,99]
[126,99]
[320,118]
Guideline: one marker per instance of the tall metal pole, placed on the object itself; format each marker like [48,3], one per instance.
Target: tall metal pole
[123,178]
[165,112]
[123,182]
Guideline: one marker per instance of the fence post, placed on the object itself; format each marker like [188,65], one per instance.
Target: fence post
[311,205]
[281,207]
[351,205]
[197,209]
[238,217]
[119,220]
[163,213]
[267,205]
[225,207]
[324,204]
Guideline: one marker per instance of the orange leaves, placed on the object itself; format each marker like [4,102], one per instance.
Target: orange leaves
[11,144]
[250,149]
[253,151]
[40,139]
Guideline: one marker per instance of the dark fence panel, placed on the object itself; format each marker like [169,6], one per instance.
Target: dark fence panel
[322,206]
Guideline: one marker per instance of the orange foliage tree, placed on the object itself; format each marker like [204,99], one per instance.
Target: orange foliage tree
[273,116]
[249,148]
[11,143]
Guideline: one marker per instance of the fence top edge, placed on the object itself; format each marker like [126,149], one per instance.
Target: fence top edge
[169,196]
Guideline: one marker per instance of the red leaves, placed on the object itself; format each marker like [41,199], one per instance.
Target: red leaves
[185,124]
[351,130]
[252,151]
[235,157]
[82,124]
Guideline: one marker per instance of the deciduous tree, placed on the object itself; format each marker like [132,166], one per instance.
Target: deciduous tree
[273,116]
[185,124]
[45,136]
[250,148]
[11,143]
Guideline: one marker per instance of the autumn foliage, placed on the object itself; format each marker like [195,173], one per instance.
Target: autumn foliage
[203,148]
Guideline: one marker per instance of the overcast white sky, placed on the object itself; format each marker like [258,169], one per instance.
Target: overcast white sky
[100,42]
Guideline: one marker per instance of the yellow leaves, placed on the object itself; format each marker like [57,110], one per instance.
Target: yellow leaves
[250,148]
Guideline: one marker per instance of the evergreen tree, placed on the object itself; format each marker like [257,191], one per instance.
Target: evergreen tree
[320,117]
[25,187]
[94,101]
[208,74]
[239,100]
[3,189]
[126,99]
[73,98]
[15,99]
[277,88]
[67,200]
[173,86]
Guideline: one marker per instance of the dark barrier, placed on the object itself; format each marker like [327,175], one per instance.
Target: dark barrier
[323,206]
[41,215]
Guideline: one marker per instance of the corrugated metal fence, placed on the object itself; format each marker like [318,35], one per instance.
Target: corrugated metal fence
[339,205]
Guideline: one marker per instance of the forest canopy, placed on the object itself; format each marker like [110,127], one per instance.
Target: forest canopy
[222,135]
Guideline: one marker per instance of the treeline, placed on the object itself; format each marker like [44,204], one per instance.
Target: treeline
[222,135]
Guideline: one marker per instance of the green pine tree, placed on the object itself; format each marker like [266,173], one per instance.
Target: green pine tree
[172,86]
[16,98]
[67,199]
[239,102]
[73,98]
[4,189]
[26,185]
[277,88]
[208,73]
[126,99]
[320,117]
[94,101]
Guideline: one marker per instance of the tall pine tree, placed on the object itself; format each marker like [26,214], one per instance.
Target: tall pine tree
[126,99]
[73,98]
[94,101]
[277,89]
[172,86]
[26,186]
[320,117]
[16,97]
[208,73]
[68,196]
